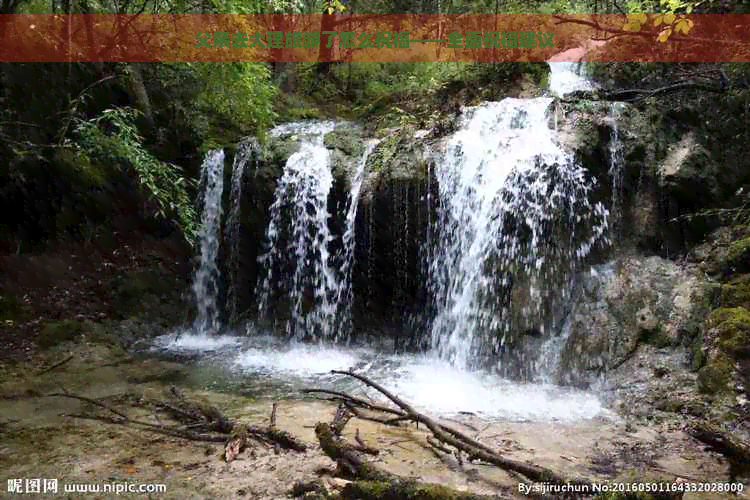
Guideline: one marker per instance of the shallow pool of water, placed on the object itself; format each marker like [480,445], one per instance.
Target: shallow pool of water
[265,366]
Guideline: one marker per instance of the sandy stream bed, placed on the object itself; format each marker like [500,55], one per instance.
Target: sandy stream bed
[38,441]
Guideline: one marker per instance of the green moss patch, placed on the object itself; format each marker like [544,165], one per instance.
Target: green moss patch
[737,257]
[56,332]
[76,164]
[348,141]
[732,327]
[736,293]
[714,378]
[656,338]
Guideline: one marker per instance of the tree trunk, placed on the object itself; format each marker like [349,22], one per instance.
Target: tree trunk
[325,53]
[133,83]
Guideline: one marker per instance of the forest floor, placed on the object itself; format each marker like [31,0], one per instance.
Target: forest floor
[40,440]
[73,281]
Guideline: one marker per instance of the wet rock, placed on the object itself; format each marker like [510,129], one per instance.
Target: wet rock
[716,376]
[725,253]
[348,140]
[634,300]
[278,150]
[688,172]
[399,156]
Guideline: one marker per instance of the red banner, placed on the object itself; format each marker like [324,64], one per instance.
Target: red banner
[365,38]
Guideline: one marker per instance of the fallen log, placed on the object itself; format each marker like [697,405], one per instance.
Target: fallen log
[473,449]
[722,441]
[406,490]
[372,483]
[346,456]
[200,422]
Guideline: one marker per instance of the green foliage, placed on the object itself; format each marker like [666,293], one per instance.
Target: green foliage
[113,137]
[662,6]
[372,87]
[241,92]
[333,6]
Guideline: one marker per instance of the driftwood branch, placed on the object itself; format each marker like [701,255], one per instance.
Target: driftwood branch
[55,366]
[199,422]
[736,449]
[373,483]
[346,455]
[463,443]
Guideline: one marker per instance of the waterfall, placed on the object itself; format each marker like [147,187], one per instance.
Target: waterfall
[344,295]
[206,282]
[513,221]
[301,199]
[298,262]
[616,166]
[564,78]
[246,151]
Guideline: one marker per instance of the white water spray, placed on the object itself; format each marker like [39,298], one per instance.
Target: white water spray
[301,199]
[564,78]
[246,152]
[206,283]
[344,295]
[319,286]
[616,167]
[506,190]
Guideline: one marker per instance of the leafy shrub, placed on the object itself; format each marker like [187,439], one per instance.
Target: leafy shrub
[113,137]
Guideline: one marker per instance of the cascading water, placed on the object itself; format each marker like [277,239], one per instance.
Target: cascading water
[320,285]
[246,152]
[511,221]
[206,282]
[301,198]
[616,164]
[344,296]
[564,78]
[514,211]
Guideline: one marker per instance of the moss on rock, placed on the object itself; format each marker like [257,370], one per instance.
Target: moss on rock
[697,356]
[736,293]
[279,149]
[714,378]
[56,332]
[732,326]
[726,252]
[399,156]
[404,490]
[348,140]
[77,164]
[738,256]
